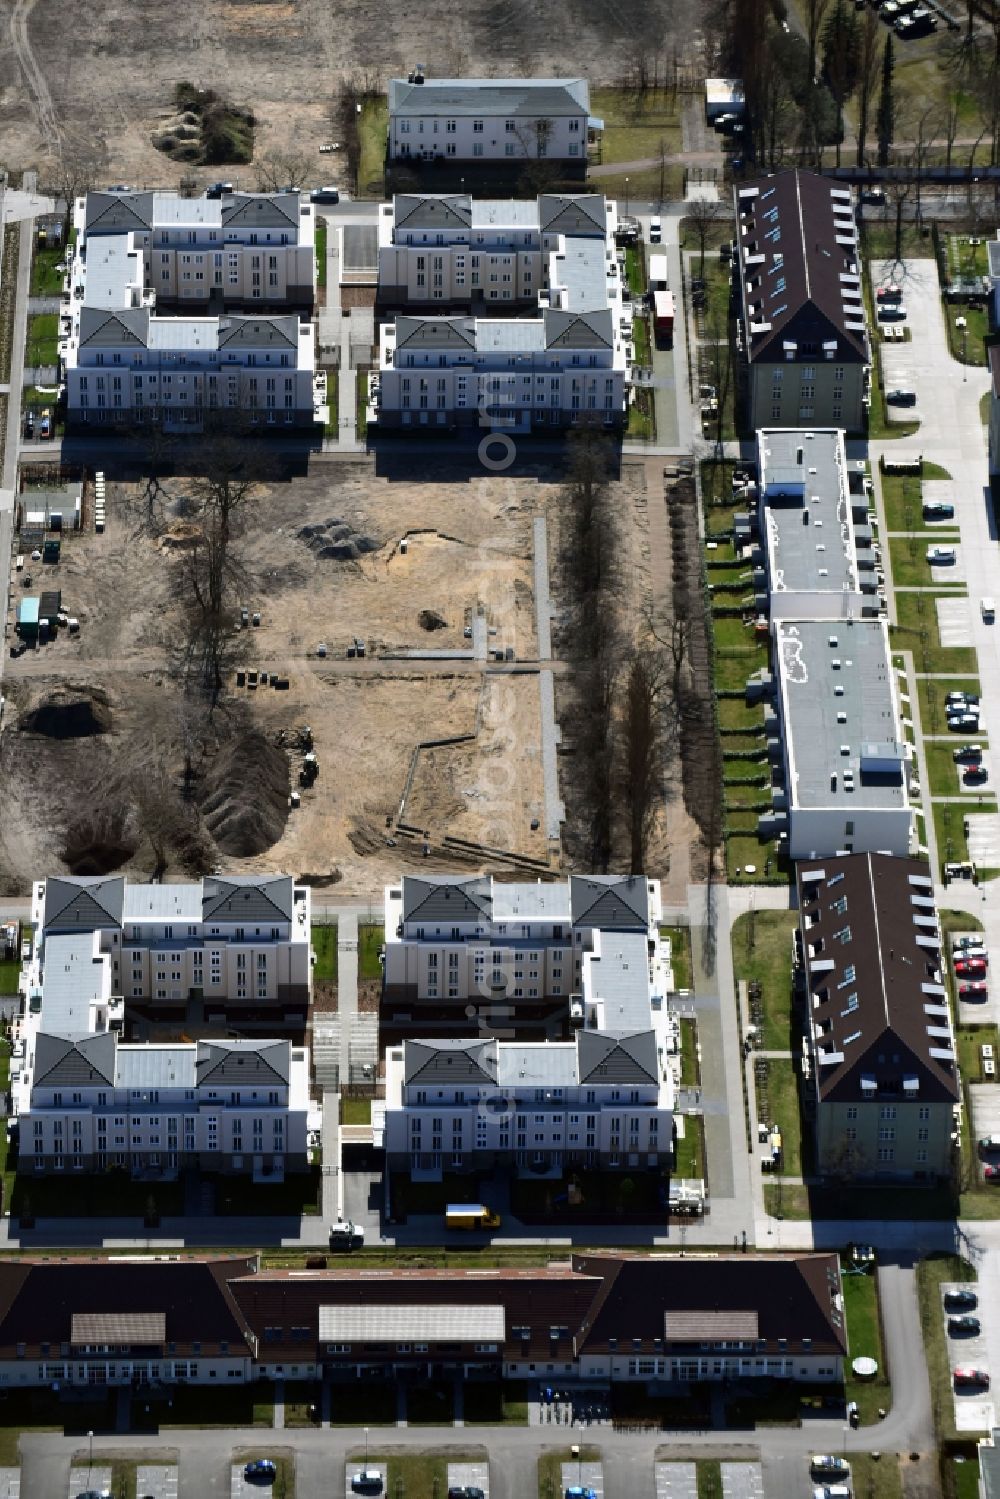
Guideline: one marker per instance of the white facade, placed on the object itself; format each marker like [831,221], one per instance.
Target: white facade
[129,360]
[564,364]
[604,1097]
[488,119]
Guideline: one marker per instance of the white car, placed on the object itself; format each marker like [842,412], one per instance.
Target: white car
[941,556]
[825,1462]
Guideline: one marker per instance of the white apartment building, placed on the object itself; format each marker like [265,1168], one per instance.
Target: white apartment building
[131,360]
[586,952]
[564,364]
[496,120]
[256,249]
[88,1101]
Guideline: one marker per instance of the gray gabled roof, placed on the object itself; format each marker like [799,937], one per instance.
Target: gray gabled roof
[75,904]
[244,1062]
[578,330]
[609,900]
[447,898]
[261,211]
[607,1058]
[435,333]
[247,897]
[517,97]
[430,211]
[124,328]
[68,1061]
[450,1061]
[117,213]
[585,213]
[254,332]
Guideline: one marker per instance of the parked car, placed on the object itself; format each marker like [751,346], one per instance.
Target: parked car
[889,294]
[219,190]
[366,1481]
[970,968]
[580,1491]
[832,1491]
[988,609]
[892,312]
[963,723]
[991,1173]
[967,754]
[961,1300]
[874,195]
[975,775]
[961,697]
[941,556]
[968,1378]
[465,1491]
[325,195]
[825,1462]
[972,941]
[45,424]
[938,510]
[973,991]
[655,231]
[990,1142]
[262,1468]
[901,397]
[964,1327]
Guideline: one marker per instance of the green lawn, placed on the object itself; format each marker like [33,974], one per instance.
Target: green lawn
[743,850]
[635,269]
[941,769]
[371,939]
[762,950]
[964,259]
[368,1404]
[251,1405]
[42,341]
[321,252]
[679,938]
[240,1196]
[716,483]
[283,1486]
[931,1274]
[332,428]
[496,1403]
[709,1477]
[9,970]
[430,1404]
[876,1475]
[641,416]
[640,337]
[110,1194]
[46,281]
[778,1104]
[550,1485]
[968,346]
[971,1038]
[417,1475]
[361,402]
[931,694]
[324,943]
[690,1070]
[949,829]
[864,1337]
[958,921]
[734,713]
[689,1150]
[355,1110]
[373,127]
[916,630]
[910,568]
[634,126]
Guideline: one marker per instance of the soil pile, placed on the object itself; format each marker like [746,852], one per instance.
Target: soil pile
[430,619]
[334,540]
[70,712]
[244,795]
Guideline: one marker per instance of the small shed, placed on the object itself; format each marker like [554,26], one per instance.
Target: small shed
[724,96]
[28,613]
[54,509]
[49,607]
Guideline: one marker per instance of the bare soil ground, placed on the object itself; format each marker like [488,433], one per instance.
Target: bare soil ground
[116,65]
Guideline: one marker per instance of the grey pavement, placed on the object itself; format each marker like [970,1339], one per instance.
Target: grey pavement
[159,1480]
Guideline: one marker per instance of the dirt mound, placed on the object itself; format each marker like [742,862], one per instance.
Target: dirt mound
[430,619]
[244,795]
[98,843]
[71,712]
[334,540]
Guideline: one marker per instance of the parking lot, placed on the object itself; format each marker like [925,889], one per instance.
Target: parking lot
[10,1483]
[355,1467]
[470,1475]
[96,1478]
[676,1480]
[586,1475]
[973,1410]
[986,1121]
[154,1481]
[742,1481]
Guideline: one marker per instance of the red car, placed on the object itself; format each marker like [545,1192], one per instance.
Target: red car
[970,968]
[973,991]
[971,1379]
[991,1173]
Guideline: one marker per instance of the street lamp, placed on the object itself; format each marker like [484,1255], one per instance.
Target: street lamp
[90,1460]
[626,196]
[366,1449]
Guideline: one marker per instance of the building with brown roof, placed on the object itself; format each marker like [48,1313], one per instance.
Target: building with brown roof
[883,1064]
[804,335]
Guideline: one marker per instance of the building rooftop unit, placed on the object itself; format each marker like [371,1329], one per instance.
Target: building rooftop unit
[842,734]
[881,1023]
[806,520]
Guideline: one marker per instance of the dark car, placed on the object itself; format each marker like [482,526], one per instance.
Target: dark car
[261,1470]
[964,1327]
[938,509]
[901,397]
[963,723]
[961,1300]
[973,991]
[367,1481]
[873,195]
[465,1491]
[991,1173]
[219,190]
[975,775]
[968,754]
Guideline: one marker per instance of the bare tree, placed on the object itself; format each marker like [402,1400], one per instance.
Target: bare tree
[815,14]
[642,749]
[869,64]
[702,216]
[950,110]
[80,163]
[279,169]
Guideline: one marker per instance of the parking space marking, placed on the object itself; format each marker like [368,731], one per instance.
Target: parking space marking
[948,572]
[470,1475]
[984,840]
[153,1481]
[86,1477]
[742,1480]
[954,617]
[676,1480]
[10,1483]
[356,1467]
[973,1410]
[586,1475]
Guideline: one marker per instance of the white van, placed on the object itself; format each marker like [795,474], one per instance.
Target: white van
[346,1235]
[988,609]
[655,231]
